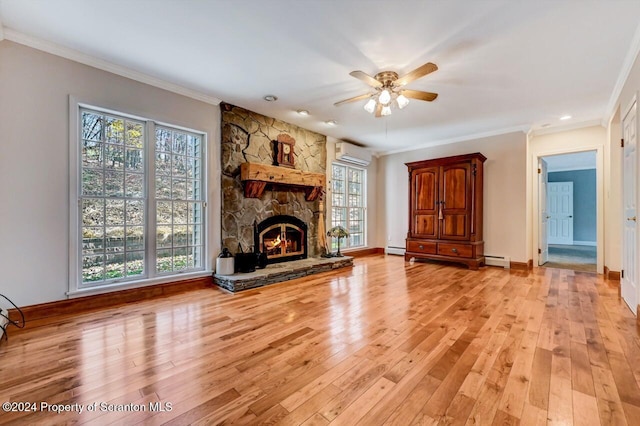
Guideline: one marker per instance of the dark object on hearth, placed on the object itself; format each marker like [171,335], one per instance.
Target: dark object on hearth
[261,257]
[261,260]
[245,262]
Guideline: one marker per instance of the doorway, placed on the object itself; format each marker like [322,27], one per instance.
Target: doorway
[570,219]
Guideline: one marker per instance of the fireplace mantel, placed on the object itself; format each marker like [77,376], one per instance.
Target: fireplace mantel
[255,178]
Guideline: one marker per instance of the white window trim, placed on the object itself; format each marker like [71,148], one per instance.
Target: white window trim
[75,288]
[365,232]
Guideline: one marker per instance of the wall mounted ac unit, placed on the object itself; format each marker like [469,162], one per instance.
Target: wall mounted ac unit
[353,154]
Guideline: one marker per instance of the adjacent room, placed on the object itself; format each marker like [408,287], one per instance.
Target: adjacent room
[319,212]
[571,211]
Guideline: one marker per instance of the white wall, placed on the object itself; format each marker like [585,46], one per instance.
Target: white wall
[34,160]
[576,140]
[373,234]
[504,192]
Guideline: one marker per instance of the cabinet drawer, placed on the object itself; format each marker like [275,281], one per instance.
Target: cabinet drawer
[459,250]
[421,247]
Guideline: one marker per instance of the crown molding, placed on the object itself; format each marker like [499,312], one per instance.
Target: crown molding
[634,49]
[567,127]
[523,129]
[92,61]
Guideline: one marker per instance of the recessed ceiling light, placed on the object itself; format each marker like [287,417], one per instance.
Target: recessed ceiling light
[565,117]
[303,112]
[331,122]
[270,98]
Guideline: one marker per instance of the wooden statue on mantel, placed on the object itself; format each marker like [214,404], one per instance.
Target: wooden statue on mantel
[283,151]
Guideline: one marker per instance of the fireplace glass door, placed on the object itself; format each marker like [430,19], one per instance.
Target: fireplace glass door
[282,240]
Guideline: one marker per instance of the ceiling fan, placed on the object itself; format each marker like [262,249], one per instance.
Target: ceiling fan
[389,89]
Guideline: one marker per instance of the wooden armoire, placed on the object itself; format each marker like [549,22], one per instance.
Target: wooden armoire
[445,210]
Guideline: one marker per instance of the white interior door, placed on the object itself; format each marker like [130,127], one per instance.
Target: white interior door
[543,213]
[628,285]
[560,209]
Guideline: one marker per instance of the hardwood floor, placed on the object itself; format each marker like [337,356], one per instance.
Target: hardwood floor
[387,342]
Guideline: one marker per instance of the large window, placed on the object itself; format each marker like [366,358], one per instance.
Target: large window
[348,204]
[135,224]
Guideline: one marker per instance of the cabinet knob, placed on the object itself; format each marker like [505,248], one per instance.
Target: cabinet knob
[421,247]
[455,250]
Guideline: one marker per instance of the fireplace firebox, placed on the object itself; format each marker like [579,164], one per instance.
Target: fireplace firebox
[282,238]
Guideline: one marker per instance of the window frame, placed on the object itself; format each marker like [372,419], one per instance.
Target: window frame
[150,277]
[345,243]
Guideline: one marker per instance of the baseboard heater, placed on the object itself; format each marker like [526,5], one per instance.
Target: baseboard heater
[503,261]
[394,250]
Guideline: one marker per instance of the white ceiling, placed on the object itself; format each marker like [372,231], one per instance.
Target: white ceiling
[503,65]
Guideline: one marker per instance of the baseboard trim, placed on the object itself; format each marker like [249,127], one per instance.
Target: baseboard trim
[523,266]
[585,243]
[611,275]
[364,252]
[87,303]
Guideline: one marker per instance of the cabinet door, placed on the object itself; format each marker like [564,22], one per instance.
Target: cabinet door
[424,203]
[455,195]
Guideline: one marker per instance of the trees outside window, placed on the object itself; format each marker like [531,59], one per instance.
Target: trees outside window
[348,204]
[140,199]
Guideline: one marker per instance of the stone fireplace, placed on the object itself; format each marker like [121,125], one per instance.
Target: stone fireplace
[248,142]
[281,238]
[273,180]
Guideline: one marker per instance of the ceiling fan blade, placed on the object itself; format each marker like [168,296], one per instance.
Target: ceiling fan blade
[355,98]
[360,75]
[417,94]
[416,74]
[379,110]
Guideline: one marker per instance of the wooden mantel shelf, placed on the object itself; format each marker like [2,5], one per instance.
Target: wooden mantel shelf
[255,178]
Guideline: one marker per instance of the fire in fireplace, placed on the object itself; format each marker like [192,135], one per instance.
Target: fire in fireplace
[281,238]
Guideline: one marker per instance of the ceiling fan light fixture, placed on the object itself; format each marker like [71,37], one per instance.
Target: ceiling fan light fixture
[389,90]
[370,106]
[384,97]
[402,101]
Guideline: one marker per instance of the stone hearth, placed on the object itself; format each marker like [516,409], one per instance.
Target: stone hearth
[279,272]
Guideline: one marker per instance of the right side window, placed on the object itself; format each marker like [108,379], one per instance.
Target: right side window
[348,204]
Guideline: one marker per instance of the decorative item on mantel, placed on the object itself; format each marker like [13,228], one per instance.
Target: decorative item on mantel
[283,154]
[338,232]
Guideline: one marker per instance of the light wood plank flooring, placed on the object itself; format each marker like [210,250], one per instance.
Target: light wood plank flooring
[383,343]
